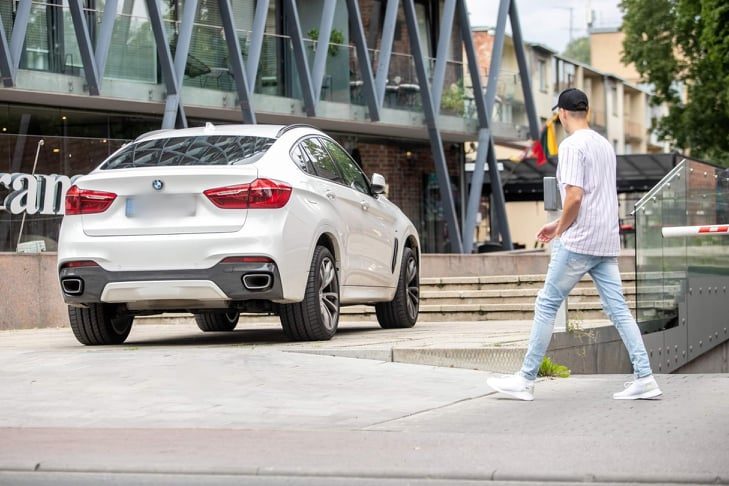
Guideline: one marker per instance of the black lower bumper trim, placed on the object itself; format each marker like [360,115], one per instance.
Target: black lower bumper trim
[227,276]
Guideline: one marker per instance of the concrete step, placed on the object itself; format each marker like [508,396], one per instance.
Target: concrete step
[503,282]
[522,295]
[577,311]
[448,299]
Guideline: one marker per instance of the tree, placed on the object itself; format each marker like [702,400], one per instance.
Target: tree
[578,49]
[684,44]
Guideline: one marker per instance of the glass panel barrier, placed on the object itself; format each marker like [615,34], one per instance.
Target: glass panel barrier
[132,52]
[707,204]
[692,194]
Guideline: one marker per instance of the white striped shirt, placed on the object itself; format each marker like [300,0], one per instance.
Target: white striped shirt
[587,160]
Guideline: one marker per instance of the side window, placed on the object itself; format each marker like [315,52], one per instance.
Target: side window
[321,160]
[301,158]
[353,176]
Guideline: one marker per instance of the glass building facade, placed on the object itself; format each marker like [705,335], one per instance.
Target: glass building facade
[50,97]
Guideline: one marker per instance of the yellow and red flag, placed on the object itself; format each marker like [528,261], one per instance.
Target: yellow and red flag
[545,146]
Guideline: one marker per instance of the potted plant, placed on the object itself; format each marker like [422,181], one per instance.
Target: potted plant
[335,39]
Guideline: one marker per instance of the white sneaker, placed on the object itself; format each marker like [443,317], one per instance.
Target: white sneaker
[515,385]
[641,388]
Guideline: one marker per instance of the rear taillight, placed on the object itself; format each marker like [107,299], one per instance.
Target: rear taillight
[247,259]
[79,264]
[85,201]
[259,194]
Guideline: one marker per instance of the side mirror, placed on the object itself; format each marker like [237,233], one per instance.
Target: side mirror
[378,183]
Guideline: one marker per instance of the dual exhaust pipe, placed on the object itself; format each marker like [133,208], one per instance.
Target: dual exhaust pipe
[72,286]
[257,281]
[251,281]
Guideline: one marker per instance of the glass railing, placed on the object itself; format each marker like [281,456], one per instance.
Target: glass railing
[132,68]
[35,173]
[694,194]
[509,116]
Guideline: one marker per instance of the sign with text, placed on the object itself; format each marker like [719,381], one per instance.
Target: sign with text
[35,194]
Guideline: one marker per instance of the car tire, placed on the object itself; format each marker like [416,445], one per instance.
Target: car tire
[99,324]
[316,317]
[217,321]
[402,311]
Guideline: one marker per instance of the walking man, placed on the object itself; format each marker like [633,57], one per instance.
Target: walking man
[586,241]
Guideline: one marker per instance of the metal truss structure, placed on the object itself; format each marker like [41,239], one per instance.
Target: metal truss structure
[311,78]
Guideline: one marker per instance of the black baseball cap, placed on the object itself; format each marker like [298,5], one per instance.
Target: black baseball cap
[572,99]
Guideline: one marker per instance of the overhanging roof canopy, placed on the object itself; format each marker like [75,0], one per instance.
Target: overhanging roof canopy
[523,181]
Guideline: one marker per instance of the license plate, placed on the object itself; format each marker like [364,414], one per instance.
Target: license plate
[169,206]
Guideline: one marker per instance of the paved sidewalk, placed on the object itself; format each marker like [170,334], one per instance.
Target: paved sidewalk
[175,405]
[486,345]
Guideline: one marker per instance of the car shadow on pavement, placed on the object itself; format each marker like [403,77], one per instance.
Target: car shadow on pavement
[258,337]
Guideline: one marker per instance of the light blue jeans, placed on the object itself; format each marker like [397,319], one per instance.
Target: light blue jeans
[566,268]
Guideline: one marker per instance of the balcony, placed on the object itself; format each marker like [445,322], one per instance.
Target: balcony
[132,76]
[508,118]
[634,132]
[598,121]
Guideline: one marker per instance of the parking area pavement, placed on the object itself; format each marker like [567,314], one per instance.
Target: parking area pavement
[175,403]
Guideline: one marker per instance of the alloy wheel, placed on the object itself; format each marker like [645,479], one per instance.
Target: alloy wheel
[328,293]
[413,287]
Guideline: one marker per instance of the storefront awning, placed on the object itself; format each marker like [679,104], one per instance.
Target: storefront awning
[635,173]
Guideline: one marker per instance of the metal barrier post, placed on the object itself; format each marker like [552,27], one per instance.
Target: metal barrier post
[553,207]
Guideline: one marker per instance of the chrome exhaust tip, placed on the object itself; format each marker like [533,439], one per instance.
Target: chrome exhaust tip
[72,286]
[257,281]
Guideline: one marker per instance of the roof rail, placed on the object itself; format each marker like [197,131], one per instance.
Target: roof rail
[295,125]
[153,132]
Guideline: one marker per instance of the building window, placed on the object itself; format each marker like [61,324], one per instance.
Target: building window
[542,73]
[614,96]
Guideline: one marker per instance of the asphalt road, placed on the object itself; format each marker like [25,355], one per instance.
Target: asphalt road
[177,406]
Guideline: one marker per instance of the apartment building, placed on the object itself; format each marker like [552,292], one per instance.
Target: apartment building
[620,110]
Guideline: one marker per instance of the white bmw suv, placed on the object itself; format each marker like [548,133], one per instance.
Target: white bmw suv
[220,220]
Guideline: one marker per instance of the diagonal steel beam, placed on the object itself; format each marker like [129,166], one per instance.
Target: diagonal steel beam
[473,66]
[383,59]
[363,59]
[441,167]
[17,39]
[441,57]
[322,47]
[497,53]
[20,27]
[184,37]
[236,62]
[174,116]
[6,62]
[297,41]
[84,46]
[103,38]
[526,83]
[256,45]
[485,152]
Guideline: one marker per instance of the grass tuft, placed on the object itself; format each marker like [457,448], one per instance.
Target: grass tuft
[550,368]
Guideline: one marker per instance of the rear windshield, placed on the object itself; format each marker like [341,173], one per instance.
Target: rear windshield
[202,150]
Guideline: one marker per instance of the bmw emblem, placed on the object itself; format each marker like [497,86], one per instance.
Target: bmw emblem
[158,184]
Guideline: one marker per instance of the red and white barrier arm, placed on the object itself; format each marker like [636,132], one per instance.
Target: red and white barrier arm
[716,229]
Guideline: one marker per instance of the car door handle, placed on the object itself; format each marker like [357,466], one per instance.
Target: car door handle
[364,205]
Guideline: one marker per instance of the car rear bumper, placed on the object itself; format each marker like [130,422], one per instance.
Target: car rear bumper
[224,282]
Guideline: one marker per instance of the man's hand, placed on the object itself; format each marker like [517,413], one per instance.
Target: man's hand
[548,232]
[572,203]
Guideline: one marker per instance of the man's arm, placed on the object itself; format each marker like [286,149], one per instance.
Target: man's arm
[571,208]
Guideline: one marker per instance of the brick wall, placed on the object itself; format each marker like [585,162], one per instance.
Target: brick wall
[401,65]
[484,44]
[406,175]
